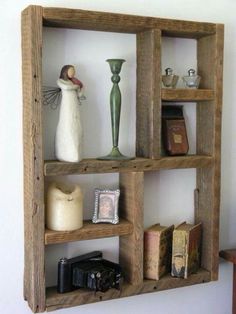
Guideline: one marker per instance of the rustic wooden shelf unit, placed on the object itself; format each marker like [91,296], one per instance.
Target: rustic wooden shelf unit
[149,32]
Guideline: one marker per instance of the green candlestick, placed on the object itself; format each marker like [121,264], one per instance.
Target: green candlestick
[115,107]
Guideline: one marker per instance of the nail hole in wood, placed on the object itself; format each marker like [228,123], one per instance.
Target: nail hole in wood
[155,288]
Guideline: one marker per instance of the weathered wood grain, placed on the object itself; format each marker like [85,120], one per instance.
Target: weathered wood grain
[57,301]
[34,280]
[189,95]
[210,67]
[123,23]
[89,231]
[86,166]
[148,98]
[131,246]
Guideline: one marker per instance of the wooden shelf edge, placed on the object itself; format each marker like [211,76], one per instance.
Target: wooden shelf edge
[229,255]
[88,166]
[89,231]
[56,301]
[188,95]
[124,23]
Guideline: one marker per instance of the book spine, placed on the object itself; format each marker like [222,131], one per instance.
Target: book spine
[151,255]
[179,254]
[194,258]
[165,253]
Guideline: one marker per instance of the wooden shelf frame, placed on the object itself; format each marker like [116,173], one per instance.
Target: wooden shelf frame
[149,32]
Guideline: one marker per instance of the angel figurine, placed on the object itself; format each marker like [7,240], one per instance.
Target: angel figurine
[68,140]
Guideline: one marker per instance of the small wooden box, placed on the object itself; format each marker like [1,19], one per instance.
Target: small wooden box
[174,133]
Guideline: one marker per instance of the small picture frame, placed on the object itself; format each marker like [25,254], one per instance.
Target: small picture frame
[106,206]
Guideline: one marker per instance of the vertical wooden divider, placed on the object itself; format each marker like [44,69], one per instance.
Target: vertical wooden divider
[148,113]
[34,276]
[131,208]
[210,68]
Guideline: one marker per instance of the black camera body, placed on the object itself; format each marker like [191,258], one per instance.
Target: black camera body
[88,271]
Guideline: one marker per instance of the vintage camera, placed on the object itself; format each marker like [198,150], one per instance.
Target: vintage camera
[88,271]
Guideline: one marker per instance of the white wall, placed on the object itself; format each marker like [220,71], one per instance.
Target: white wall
[78,47]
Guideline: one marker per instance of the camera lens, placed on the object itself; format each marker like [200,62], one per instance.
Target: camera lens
[106,281]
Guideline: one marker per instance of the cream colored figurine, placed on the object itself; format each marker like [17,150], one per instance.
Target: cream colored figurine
[64,207]
[68,141]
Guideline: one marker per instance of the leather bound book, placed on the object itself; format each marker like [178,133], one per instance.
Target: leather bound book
[157,251]
[175,136]
[186,250]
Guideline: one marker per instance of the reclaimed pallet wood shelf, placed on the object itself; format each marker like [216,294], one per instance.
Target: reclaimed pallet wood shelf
[190,95]
[89,231]
[86,166]
[150,96]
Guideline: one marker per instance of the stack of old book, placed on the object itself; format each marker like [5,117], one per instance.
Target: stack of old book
[172,250]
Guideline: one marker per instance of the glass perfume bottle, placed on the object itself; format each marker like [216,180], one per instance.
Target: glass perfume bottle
[191,80]
[169,80]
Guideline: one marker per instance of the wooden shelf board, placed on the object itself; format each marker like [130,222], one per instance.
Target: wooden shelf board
[229,255]
[123,23]
[88,166]
[190,95]
[89,231]
[56,300]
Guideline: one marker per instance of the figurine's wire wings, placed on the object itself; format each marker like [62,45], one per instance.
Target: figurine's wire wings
[51,96]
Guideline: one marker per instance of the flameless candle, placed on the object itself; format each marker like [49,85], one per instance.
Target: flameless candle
[64,207]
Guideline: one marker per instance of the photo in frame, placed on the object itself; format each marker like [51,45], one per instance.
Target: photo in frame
[106,206]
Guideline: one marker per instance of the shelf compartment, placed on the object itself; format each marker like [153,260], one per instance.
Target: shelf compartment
[89,231]
[56,300]
[188,95]
[88,166]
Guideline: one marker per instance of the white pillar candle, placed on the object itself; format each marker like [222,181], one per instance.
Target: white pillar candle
[64,207]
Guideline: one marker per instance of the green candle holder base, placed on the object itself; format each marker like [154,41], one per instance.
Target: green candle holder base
[115,154]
